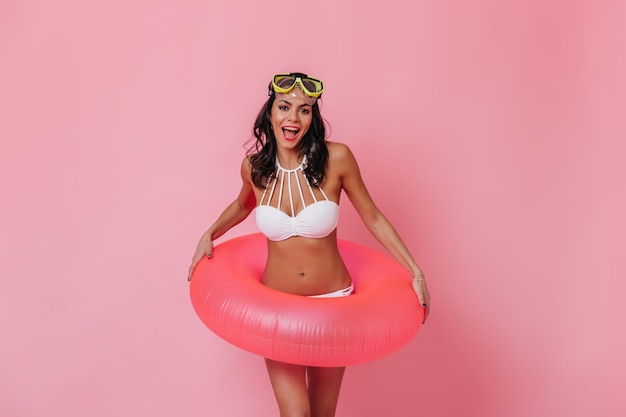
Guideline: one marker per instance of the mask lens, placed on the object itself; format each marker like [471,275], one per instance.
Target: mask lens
[284,81]
[310,85]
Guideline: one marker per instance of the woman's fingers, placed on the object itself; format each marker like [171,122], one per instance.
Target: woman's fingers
[426,313]
[194,262]
[421,290]
[202,250]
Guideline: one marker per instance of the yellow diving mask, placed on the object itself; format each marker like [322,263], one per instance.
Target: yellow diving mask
[284,83]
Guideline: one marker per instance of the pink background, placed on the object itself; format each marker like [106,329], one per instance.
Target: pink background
[491,133]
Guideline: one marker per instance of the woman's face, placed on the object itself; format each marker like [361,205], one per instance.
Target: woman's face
[292,114]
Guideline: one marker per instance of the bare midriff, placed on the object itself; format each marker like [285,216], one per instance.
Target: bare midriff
[305,266]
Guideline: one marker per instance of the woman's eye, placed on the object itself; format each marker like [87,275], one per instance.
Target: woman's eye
[283,108]
[304,111]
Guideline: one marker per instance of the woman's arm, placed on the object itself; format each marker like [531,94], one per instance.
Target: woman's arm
[376,222]
[234,214]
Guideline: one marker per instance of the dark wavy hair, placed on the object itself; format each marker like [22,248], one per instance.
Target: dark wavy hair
[263,150]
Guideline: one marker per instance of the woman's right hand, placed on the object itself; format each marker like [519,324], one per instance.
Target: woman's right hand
[204,248]
[421,290]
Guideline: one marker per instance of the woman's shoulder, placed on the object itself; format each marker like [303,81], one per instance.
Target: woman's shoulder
[246,168]
[341,159]
[338,151]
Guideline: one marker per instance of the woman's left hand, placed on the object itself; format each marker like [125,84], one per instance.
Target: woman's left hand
[204,248]
[421,289]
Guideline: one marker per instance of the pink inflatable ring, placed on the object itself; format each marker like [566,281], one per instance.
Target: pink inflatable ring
[382,315]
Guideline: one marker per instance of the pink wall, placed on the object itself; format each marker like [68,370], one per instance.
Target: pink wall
[121,128]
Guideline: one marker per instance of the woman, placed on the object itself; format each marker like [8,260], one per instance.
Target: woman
[294,179]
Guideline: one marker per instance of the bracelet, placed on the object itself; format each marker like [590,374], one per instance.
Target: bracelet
[419,278]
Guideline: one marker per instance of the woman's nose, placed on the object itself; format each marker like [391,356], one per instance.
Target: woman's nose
[293,114]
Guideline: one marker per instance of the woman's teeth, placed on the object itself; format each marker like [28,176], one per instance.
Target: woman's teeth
[290,133]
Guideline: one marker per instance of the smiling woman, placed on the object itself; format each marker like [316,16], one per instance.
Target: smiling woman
[290,119]
[292,116]
[294,178]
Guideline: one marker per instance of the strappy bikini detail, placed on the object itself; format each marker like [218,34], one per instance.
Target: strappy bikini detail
[317,220]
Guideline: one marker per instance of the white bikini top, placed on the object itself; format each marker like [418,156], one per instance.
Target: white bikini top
[317,220]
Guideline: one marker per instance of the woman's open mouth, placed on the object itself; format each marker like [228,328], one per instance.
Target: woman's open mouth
[290,133]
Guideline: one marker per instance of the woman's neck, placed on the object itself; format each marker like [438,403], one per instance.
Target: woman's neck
[289,160]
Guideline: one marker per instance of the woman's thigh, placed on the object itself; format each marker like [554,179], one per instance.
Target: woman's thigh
[289,385]
[324,385]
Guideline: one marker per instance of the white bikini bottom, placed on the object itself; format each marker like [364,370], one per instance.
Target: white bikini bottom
[340,293]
